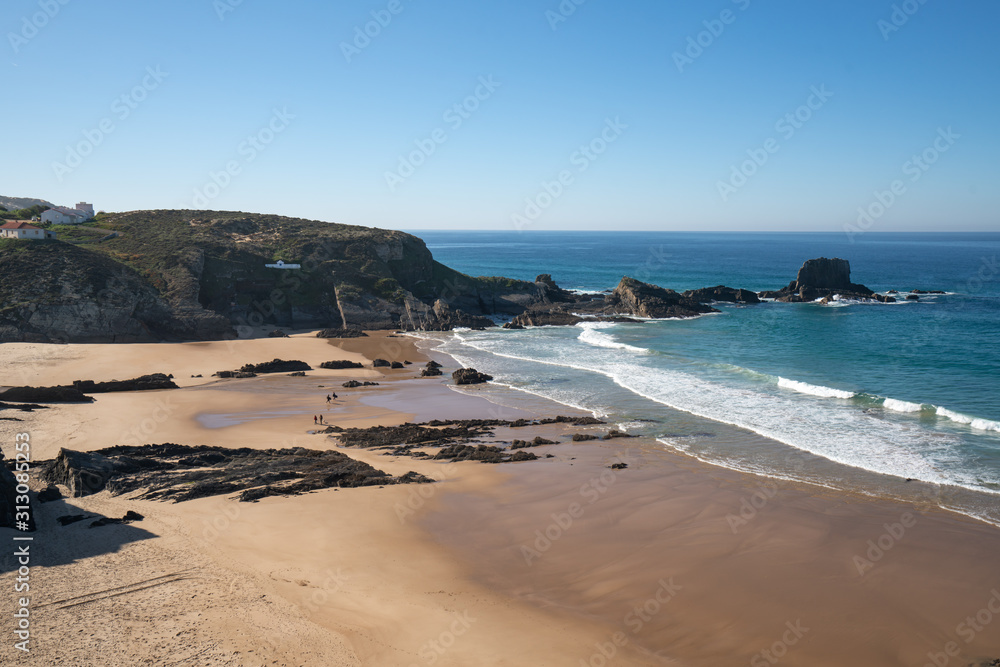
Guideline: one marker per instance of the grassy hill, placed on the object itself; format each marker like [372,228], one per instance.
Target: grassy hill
[207,267]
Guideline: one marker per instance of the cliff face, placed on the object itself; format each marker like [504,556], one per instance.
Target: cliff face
[201,275]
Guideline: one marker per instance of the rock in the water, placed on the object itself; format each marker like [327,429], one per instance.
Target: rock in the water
[397,364]
[632,297]
[612,434]
[341,333]
[722,293]
[470,376]
[339,365]
[912,297]
[821,278]
[545,318]
[583,437]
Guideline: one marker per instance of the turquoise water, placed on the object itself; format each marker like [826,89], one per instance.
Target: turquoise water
[902,391]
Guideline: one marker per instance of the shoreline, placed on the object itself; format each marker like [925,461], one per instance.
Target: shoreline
[666,514]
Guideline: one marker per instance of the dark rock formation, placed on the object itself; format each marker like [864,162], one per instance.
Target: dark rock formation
[339,365]
[618,466]
[912,297]
[277,333]
[297,374]
[612,434]
[341,333]
[432,369]
[397,364]
[722,293]
[470,376]
[353,384]
[544,318]
[632,297]
[583,437]
[23,407]
[179,473]
[143,383]
[929,291]
[130,517]
[381,363]
[60,394]
[824,278]
[275,366]
[538,441]
[49,493]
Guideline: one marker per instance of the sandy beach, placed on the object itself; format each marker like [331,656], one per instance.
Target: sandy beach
[559,561]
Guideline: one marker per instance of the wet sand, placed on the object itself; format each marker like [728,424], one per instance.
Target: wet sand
[560,561]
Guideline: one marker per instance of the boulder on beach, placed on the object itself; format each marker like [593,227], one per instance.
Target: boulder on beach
[143,383]
[277,333]
[470,376]
[341,333]
[61,394]
[340,365]
[381,363]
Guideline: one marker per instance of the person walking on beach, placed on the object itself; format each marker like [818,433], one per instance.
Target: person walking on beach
[314,419]
[321,419]
[334,395]
[328,399]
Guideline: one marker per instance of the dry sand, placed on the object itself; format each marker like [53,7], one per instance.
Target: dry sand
[438,574]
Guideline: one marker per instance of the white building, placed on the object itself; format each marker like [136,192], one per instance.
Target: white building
[61,215]
[86,208]
[15,229]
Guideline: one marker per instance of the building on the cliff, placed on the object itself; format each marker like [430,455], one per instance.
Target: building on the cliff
[61,215]
[17,229]
[281,265]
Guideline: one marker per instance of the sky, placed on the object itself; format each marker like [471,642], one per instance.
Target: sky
[575,115]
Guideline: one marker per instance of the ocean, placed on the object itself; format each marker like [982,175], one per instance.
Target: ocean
[885,399]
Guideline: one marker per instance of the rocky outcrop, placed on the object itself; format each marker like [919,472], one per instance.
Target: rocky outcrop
[60,394]
[277,333]
[143,383]
[722,293]
[275,366]
[470,376]
[544,318]
[178,473]
[824,278]
[340,365]
[341,333]
[632,297]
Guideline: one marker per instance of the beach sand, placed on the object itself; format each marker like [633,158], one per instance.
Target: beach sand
[641,566]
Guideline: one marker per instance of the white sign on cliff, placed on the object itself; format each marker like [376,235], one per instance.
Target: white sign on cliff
[282,265]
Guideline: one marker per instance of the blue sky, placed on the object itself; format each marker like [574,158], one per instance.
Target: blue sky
[582,119]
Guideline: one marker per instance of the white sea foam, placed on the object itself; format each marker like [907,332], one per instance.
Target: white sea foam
[897,405]
[592,335]
[973,422]
[814,390]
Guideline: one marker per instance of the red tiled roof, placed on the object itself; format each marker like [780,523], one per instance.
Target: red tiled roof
[13,224]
